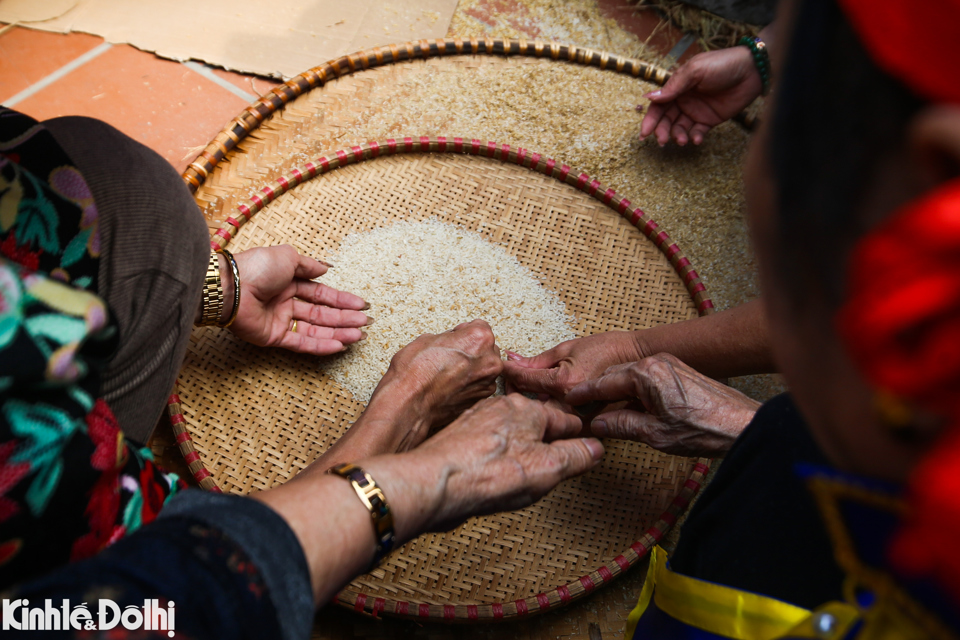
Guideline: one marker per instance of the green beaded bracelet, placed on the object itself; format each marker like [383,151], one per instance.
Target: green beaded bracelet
[760,58]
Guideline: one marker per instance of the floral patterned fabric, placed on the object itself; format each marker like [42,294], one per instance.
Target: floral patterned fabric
[70,484]
[48,219]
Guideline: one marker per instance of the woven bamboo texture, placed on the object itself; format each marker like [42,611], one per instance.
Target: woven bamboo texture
[251,118]
[617,269]
[578,238]
[321,108]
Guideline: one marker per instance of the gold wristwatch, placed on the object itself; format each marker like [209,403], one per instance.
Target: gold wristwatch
[212,296]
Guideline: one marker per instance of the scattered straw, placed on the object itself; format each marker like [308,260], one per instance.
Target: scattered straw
[579,22]
[712,31]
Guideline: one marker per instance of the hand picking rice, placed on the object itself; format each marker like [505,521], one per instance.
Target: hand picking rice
[428,277]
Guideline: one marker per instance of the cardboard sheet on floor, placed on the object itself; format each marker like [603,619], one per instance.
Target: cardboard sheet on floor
[279,38]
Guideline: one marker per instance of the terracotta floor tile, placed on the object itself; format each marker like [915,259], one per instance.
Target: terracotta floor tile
[27,56]
[161,103]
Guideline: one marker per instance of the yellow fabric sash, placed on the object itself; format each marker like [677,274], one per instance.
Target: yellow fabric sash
[740,615]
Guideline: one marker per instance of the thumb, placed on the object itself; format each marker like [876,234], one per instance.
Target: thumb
[545,360]
[309,268]
[575,457]
[682,80]
[533,380]
[625,425]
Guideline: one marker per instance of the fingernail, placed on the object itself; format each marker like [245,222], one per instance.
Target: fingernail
[366,305]
[325,263]
[513,356]
[653,94]
[596,448]
[368,322]
[599,428]
[363,335]
[343,349]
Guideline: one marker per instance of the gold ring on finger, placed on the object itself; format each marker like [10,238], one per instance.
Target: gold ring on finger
[293,327]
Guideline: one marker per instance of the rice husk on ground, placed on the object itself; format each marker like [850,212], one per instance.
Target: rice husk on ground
[579,22]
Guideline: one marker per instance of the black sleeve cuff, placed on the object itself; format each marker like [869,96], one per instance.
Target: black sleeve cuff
[271,545]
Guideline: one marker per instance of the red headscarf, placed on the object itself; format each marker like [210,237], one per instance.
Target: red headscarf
[901,322]
[915,42]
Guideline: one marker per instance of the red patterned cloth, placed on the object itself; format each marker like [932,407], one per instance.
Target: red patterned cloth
[901,324]
[902,321]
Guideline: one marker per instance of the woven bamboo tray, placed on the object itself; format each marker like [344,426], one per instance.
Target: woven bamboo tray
[253,116]
[615,269]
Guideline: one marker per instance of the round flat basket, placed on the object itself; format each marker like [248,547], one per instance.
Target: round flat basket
[249,418]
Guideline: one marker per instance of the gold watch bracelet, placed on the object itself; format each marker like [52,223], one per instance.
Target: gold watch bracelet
[371,495]
[212,298]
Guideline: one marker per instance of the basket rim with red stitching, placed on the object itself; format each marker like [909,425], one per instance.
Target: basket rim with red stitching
[563,594]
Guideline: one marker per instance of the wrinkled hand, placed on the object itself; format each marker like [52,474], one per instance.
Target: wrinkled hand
[673,408]
[707,90]
[447,372]
[556,371]
[276,289]
[429,383]
[504,453]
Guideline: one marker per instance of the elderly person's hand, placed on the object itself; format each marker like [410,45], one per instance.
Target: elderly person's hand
[448,372]
[707,90]
[558,370]
[671,407]
[504,453]
[429,383]
[276,289]
[729,343]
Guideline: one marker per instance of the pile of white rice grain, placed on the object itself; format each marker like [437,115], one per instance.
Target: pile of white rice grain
[428,277]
